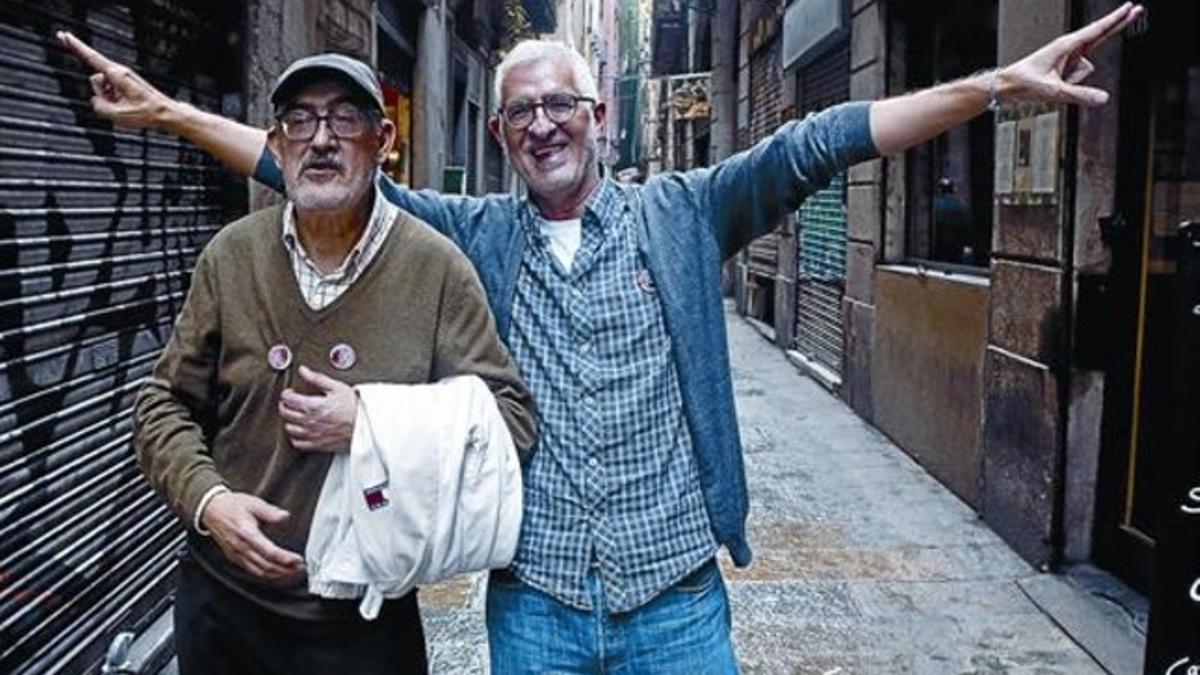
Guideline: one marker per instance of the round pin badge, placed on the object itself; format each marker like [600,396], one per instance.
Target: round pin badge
[342,356]
[279,357]
[645,281]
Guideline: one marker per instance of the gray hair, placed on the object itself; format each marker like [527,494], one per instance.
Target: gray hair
[528,51]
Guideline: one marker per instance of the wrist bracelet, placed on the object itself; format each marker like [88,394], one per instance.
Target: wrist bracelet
[993,94]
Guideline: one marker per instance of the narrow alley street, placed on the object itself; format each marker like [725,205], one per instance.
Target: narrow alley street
[863,563]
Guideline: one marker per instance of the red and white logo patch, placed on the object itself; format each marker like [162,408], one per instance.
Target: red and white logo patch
[375,496]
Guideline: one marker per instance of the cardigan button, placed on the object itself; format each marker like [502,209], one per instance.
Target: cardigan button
[342,356]
[279,357]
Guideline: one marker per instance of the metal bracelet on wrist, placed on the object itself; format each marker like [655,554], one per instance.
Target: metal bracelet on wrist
[993,94]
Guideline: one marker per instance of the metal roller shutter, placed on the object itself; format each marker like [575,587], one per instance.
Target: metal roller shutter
[766,100]
[821,227]
[99,230]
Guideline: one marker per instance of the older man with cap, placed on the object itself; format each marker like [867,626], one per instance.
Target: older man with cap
[288,307]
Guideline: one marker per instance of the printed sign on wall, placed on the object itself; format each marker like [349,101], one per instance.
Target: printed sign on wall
[1027,151]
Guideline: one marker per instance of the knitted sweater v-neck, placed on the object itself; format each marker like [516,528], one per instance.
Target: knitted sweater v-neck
[208,415]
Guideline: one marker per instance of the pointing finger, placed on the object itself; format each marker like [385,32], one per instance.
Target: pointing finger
[94,59]
[1105,27]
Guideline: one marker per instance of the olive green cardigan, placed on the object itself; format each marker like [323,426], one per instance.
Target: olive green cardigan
[208,414]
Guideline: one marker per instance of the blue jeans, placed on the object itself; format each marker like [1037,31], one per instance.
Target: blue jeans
[683,630]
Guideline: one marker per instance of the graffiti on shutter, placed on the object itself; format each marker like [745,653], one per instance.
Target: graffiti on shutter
[99,230]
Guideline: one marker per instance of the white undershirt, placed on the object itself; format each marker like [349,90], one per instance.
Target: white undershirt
[564,237]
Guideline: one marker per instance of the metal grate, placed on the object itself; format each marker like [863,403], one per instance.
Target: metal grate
[821,226]
[766,99]
[820,279]
[99,230]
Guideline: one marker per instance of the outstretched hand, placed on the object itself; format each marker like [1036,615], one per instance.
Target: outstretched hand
[1053,74]
[119,94]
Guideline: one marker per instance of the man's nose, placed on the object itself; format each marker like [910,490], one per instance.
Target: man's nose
[323,136]
[541,124]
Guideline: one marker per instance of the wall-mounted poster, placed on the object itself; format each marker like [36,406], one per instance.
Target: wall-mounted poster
[1027,151]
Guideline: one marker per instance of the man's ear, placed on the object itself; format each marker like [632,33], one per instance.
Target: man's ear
[600,114]
[494,127]
[387,138]
[275,141]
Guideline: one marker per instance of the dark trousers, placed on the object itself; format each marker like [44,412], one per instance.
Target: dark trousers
[218,632]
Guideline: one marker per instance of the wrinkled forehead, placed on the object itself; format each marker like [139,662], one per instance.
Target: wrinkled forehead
[530,80]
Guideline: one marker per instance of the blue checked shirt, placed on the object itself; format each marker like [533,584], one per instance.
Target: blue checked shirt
[613,479]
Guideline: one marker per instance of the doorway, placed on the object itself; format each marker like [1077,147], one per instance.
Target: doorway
[1158,188]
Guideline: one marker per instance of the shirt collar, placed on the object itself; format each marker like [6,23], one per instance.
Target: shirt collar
[606,199]
[380,212]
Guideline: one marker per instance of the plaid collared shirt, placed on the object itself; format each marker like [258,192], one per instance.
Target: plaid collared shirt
[613,482]
[321,289]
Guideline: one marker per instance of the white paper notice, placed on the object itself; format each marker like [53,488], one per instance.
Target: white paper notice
[1045,153]
[1006,141]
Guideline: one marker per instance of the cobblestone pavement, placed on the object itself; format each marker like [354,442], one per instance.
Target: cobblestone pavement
[863,562]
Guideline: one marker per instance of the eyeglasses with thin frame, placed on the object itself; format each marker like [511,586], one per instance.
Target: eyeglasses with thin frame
[559,108]
[346,121]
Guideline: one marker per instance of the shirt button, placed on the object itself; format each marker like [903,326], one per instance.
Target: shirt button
[593,463]
[589,401]
[585,347]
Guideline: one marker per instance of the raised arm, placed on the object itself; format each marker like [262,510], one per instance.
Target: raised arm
[1052,74]
[124,98]
[746,194]
[749,192]
[121,96]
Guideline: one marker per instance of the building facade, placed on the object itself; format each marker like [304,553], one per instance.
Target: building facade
[1003,301]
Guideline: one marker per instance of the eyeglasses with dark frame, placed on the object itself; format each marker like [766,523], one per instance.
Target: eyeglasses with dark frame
[559,108]
[346,121]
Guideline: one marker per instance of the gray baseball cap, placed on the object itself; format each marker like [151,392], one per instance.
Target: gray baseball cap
[351,71]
